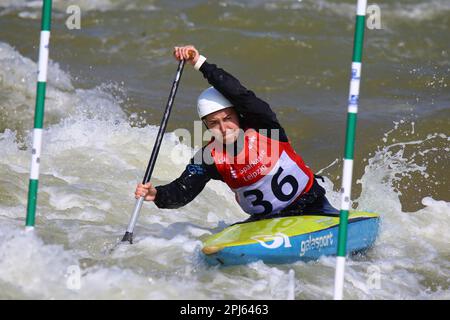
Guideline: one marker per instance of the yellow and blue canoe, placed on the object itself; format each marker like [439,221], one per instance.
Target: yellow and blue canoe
[289,239]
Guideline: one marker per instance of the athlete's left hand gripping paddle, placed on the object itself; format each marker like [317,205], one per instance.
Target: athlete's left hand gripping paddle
[151,164]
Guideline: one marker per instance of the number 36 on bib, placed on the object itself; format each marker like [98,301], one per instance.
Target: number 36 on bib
[275,190]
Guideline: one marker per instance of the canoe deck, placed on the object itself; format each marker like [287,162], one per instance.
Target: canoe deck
[289,239]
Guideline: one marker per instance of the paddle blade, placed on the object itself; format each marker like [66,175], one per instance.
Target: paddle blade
[128,237]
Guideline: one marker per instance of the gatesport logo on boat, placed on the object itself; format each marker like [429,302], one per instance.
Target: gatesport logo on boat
[316,243]
[278,239]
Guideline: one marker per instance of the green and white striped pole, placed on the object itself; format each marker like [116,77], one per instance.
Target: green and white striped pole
[346,189]
[39,113]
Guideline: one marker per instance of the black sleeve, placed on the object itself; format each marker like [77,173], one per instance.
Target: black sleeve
[255,112]
[192,181]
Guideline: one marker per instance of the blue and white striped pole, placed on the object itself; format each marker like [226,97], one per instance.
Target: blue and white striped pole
[39,113]
[346,189]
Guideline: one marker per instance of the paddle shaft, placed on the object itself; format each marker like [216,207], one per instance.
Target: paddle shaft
[151,164]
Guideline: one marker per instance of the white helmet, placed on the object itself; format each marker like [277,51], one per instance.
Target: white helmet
[211,100]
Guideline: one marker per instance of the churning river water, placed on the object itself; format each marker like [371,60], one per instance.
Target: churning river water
[108,83]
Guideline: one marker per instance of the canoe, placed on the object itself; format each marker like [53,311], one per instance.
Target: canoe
[289,239]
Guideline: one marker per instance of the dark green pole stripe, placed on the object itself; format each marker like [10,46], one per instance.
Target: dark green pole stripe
[46,15]
[32,197]
[359,38]
[342,238]
[40,102]
[350,135]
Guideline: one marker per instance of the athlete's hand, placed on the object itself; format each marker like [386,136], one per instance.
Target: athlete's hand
[188,53]
[148,191]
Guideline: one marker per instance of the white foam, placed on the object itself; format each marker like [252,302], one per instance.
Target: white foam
[28,265]
[18,90]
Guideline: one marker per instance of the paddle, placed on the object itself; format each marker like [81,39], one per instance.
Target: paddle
[151,164]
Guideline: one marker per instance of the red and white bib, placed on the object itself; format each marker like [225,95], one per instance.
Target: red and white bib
[266,176]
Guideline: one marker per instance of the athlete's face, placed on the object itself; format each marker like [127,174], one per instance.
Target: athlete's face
[224,125]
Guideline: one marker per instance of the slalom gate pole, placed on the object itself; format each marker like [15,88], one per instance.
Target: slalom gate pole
[39,113]
[349,148]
